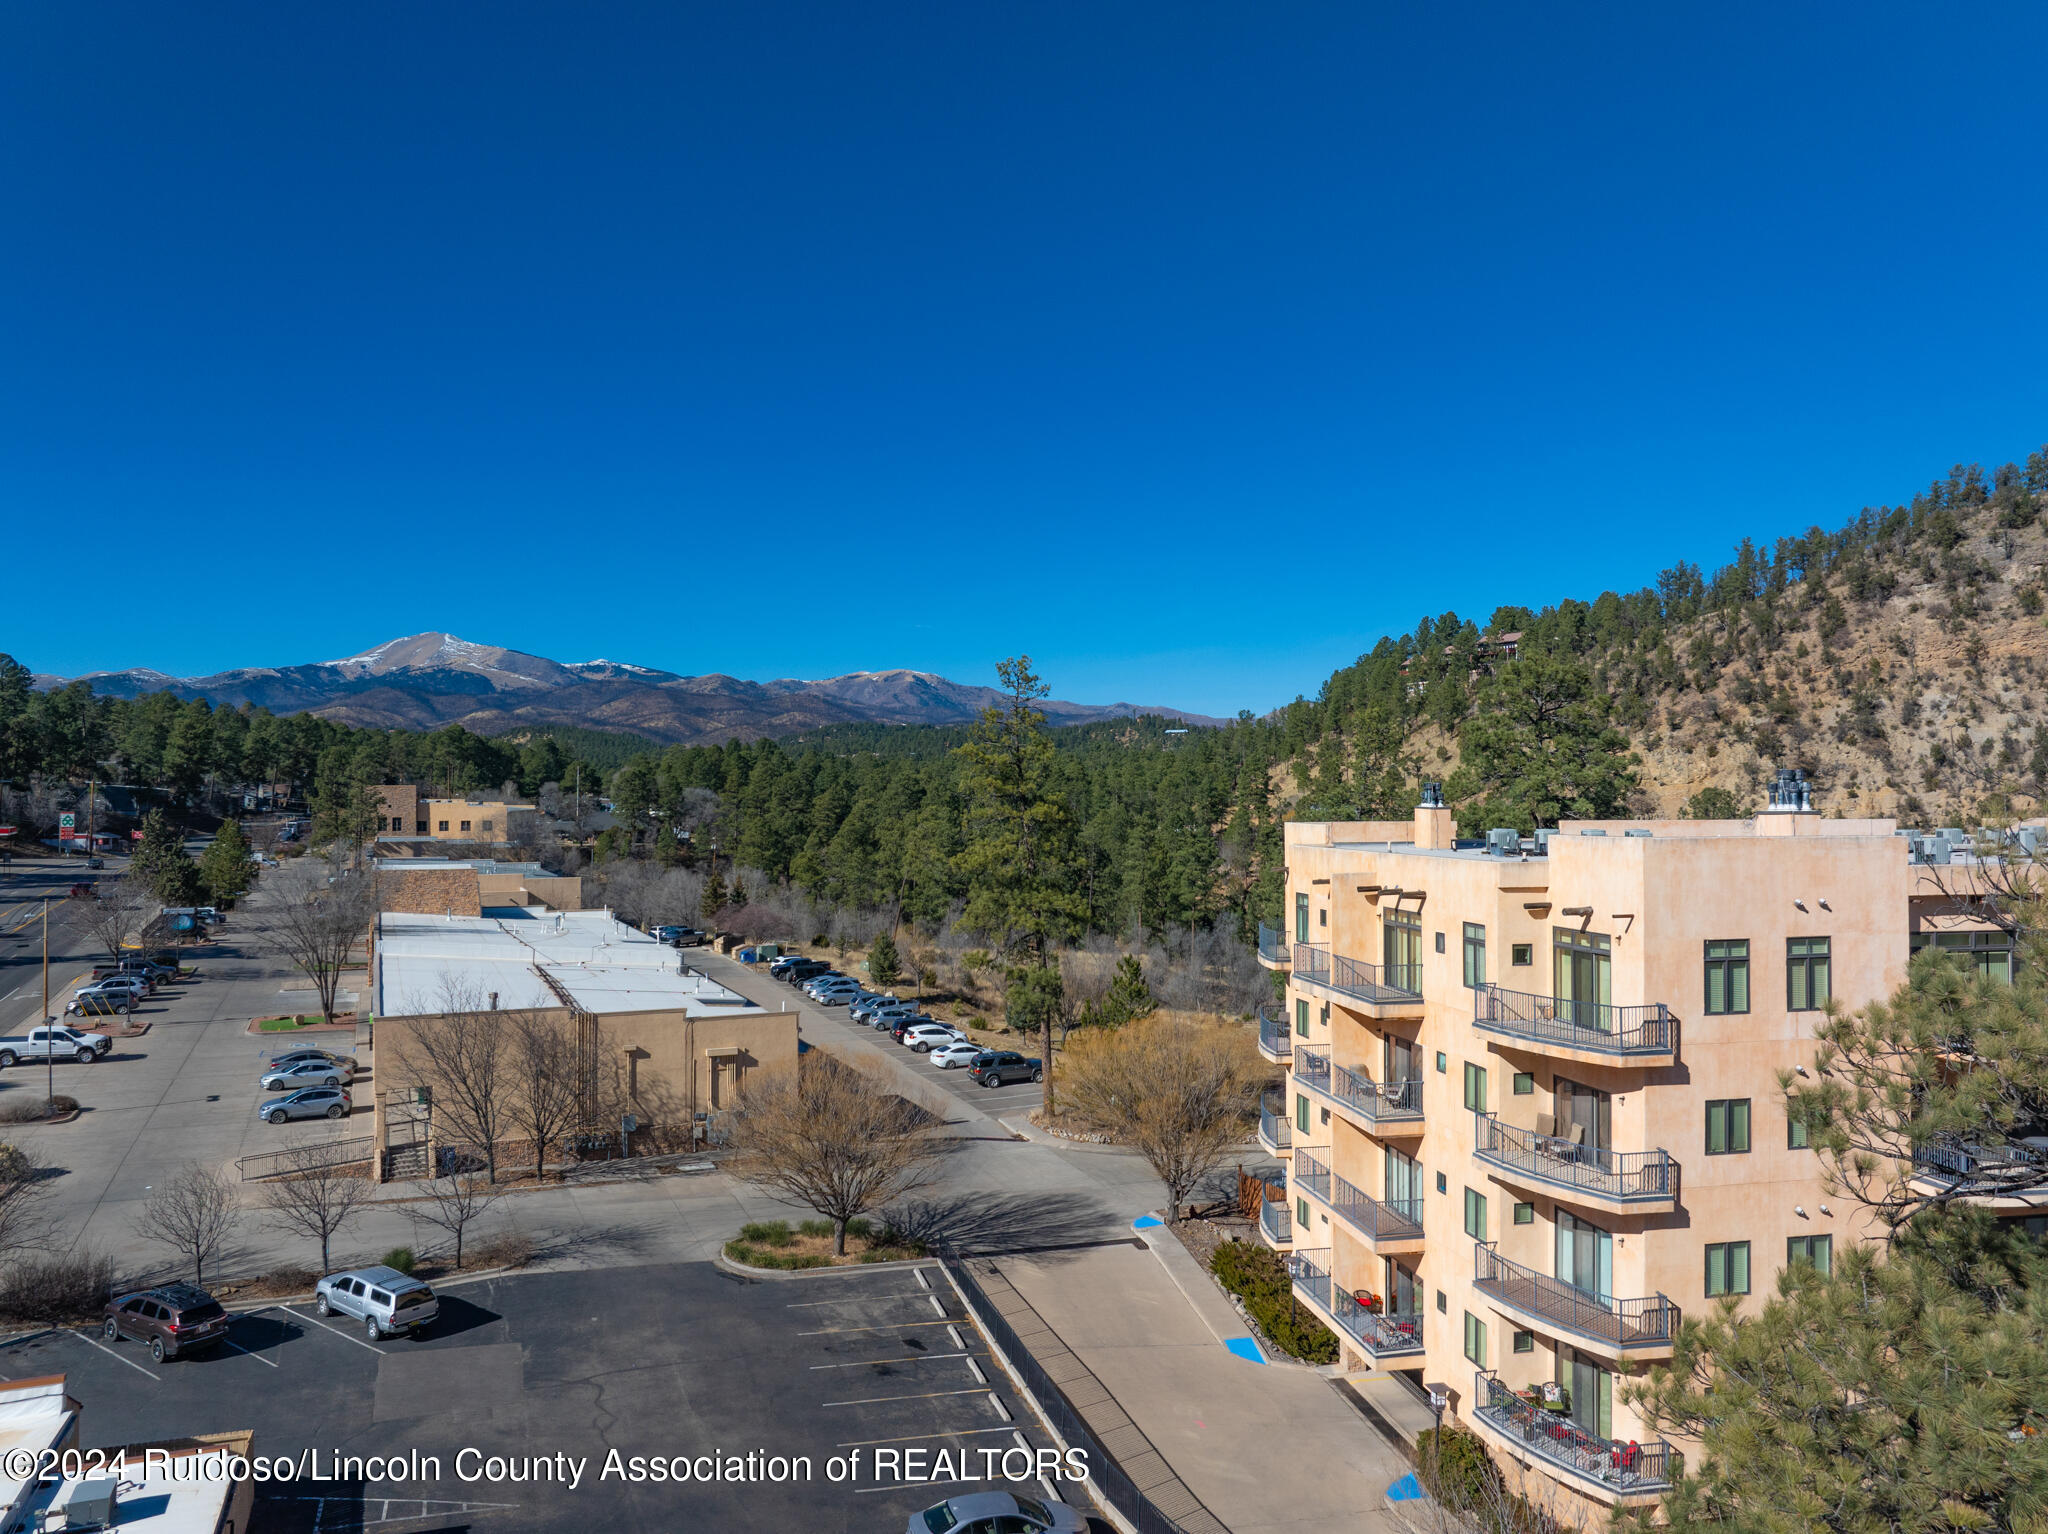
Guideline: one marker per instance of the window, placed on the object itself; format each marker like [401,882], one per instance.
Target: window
[444,825]
[1475,954]
[1521,953]
[1525,1342]
[1728,1126]
[485,826]
[1582,971]
[1475,1087]
[1441,1185]
[1727,1268]
[1301,1214]
[1439,942]
[1301,1018]
[1475,1215]
[1301,1112]
[1988,953]
[1475,1339]
[1401,948]
[1525,1083]
[1818,1250]
[1322,916]
[1525,1214]
[1806,974]
[465,825]
[1728,976]
[1301,918]
[1443,1062]
[1795,1128]
[1442,1308]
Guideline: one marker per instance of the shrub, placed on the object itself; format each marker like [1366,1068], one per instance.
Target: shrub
[31,1110]
[1256,1275]
[819,1228]
[773,1232]
[1453,1466]
[763,1257]
[507,1249]
[62,1104]
[284,1281]
[59,1286]
[399,1257]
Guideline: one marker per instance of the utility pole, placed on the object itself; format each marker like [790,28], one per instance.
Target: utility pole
[49,1055]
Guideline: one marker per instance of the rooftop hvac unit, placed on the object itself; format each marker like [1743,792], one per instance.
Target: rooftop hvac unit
[2028,838]
[1638,831]
[1543,843]
[91,1505]
[1503,842]
[1930,849]
[1955,836]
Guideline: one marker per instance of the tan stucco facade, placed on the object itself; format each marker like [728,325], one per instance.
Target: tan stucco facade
[1555,1154]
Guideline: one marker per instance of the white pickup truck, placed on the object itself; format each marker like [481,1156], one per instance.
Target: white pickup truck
[54,1043]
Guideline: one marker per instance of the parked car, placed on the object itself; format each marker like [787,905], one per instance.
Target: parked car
[307,1073]
[921,1038]
[385,1300]
[173,1320]
[961,1052]
[899,1026]
[311,1103]
[149,969]
[889,1017]
[101,1004]
[805,969]
[837,986]
[868,1003]
[828,980]
[300,1056]
[997,1512]
[133,987]
[54,1043]
[1000,1067]
[780,967]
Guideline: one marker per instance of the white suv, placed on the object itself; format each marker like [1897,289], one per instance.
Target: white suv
[926,1037]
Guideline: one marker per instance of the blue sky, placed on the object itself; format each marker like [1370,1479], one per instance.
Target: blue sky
[1188,347]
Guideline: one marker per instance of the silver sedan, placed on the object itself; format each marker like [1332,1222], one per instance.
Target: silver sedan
[307,1073]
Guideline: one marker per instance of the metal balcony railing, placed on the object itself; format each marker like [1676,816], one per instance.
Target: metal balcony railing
[1277,1220]
[1646,1030]
[1311,962]
[1381,1336]
[1384,1102]
[1276,1132]
[1980,1168]
[1621,1324]
[1378,1219]
[1375,982]
[1312,1068]
[1557,1440]
[1273,947]
[1311,1274]
[1625,1176]
[1276,1035]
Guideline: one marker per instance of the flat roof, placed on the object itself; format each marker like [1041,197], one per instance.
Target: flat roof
[425,964]
[481,865]
[162,1503]
[35,1414]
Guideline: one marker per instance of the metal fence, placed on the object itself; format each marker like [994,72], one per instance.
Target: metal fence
[317,1156]
[1554,1437]
[1272,944]
[1645,1030]
[1276,1132]
[1646,1322]
[1277,1220]
[1276,1037]
[1376,982]
[1107,1476]
[1625,1176]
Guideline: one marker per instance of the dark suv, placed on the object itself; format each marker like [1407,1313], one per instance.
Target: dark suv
[802,970]
[174,1320]
[1000,1067]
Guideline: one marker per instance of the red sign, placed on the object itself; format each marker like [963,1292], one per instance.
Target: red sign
[135,836]
[6,830]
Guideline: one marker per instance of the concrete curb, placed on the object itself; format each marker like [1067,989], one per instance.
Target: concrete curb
[740,1269]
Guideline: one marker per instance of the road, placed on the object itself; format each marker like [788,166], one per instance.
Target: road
[24,885]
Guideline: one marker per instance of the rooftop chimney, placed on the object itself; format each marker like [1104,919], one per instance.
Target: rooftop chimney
[1432,796]
[1434,825]
[1790,793]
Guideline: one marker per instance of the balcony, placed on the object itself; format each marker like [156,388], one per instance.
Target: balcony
[1384,1108]
[1642,1181]
[1276,1037]
[1984,1171]
[1390,1225]
[1621,1328]
[1275,1132]
[1311,1274]
[1556,1443]
[1590,1030]
[1377,990]
[1276,1223]
[1274,952]
[1381,1336]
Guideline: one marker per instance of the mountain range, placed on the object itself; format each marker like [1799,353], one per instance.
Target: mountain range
[426,681]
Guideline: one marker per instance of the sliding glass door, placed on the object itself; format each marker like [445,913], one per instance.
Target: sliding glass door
[1585,1256]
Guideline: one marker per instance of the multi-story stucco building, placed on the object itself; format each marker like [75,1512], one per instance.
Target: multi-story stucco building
[1532,1112]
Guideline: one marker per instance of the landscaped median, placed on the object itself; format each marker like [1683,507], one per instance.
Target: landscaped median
[778,1244]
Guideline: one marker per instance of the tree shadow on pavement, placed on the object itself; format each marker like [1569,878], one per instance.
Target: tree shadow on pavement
[992,1224]
[610,1243]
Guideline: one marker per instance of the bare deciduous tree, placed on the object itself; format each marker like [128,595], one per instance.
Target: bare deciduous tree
[313,915]
[835,1138]
[464,1056]
[192,1211]
[24,1195]
[545,1102]
[1180,1092]
[456,1203]
[117,917]
[314,1198]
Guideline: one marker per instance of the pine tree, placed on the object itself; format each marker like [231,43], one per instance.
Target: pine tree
[714,897]
[1127,999]
[884,964]
[162,862]
[225,870]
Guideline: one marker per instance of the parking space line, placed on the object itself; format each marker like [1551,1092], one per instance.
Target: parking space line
[858,1300]
[901,1326]
[928,1395]
[131,1363]
[344,1336]
[863,1491]
[247,1354]
[921,1358]
[958,1432]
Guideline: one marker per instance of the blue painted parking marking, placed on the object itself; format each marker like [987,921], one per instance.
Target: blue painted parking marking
[1246,1348]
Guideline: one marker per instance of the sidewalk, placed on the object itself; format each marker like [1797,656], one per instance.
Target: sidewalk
[1226,1425]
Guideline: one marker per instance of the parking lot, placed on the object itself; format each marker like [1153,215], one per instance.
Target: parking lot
[558,1370]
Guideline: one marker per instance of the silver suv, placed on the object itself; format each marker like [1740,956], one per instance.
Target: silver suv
[383,1299]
